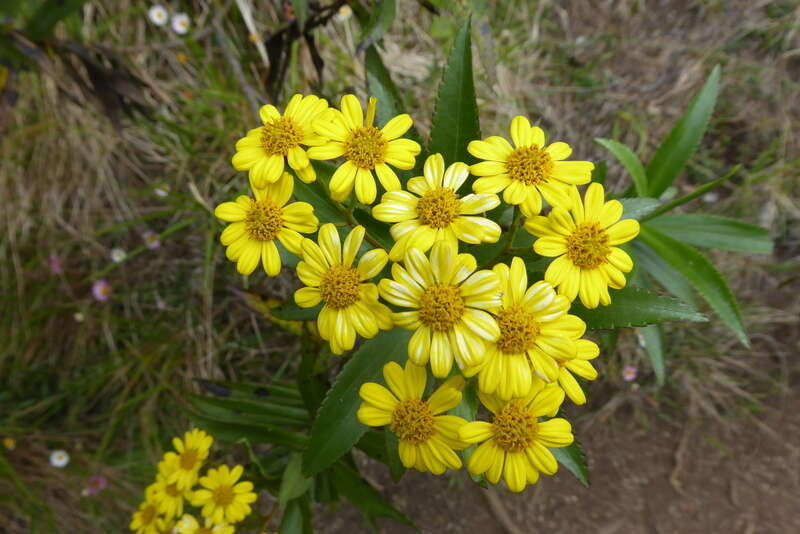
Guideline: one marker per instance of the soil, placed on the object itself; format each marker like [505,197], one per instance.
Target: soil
[694,478]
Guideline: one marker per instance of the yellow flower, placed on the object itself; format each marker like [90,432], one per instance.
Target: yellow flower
[427,438]
[192,451]
[350,305]
[9,443]
[529,171]
[450,320]
[222,499]
[536,335]
[264,150]
[580,365]
[146,519]
[583,238]
[365,147]
[188,524]
[169,497]
[257,222]
[515,444]
[431,210]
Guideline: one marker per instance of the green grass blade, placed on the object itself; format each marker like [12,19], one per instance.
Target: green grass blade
[630,161]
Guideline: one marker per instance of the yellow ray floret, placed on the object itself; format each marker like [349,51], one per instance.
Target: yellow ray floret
[514,446]
[188,524]
[450,301]
[583,239]
[427,438]
[223,499]
[170,498]
[256,222]
[265,150]
[431,210]
[529,170]
[350,304]
[366,149]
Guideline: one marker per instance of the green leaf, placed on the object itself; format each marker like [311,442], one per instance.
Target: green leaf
[672,280]
[300,8]
[632,306]
[573,459]
[316,194]
[653,338]
[455,121]
[336,428]
[350,483]
[711,231]
[701,274]
[280,393]
[376,229]
[293,483]
[467,409]
[292,312]
[50,12]
[637,208]
[272,413]
[233,431]
[396,467]
[379,23]
[673,153]
[297,517]
[630,161]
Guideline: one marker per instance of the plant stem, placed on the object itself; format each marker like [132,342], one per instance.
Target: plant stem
[512,233]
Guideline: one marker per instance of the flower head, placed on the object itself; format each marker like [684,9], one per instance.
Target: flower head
[169,497]
[427,438]
[95,485]
[529,170]
[101,290]
[265,150]
[189,525]
[450,301]
[9,443]
[366,149]
[158,15]
[256,222]
[59,458]
[151,240]
[431,210]
[181,23]
[515,444]
[350,302]
[222,498]
[162,190]
[583,240]
[629,373]
[146,520]
[192,451]
[118,254]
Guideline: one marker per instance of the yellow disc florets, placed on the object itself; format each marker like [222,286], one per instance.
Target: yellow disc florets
[173,491]
[223,495]
[514,427]
[365,147]
[263,221]
[280,135]
[412,420]
[148,514]
[188,459]
[340,286]
[518,330]
[438,208]
[441,306]
[529,165]
[588,246]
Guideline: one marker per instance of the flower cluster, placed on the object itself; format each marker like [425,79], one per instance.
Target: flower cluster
[223,500]
[514,339]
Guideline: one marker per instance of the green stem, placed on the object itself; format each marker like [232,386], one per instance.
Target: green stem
[512,233]
[694,194]
[351,220]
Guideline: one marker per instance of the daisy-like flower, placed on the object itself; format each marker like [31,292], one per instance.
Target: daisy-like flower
[431,210]
[118,254]
[529,171]
[151,240]
[101,290]
[95,485]
[450,300]
[366,149]
[223,499]
[59,458]
[169,497]
[257,222]
[146,519]
[158,15]
[515,444]
[161,191]
[427,438]
[181,23]
[188,524]
[9,443]
[536,335]
[583,239]
[350,302]
[629,373]
[192,450]
[264,150]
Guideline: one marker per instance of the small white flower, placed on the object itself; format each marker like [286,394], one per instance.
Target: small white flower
[161,191]
[79,317]
[59,458]
[344,13]
[180,23]
[710,197]
[118,254]
[158,15]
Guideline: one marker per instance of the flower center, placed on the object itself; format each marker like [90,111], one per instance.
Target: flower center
[340,286]
[438,208]
[148,514]
[280,135]
[588,246]
[514,427]
[204,530]
[518,330]
[365,147]
[222,495]
[188,459]
[529,165]
[263,221]
[412,421]
[173,491]
[441,307]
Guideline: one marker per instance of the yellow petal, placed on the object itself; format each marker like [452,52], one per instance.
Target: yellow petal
[270,258]
[378,396]
[558,151]
[521,131]
[550,246]
[307,297]
[352,112]
[623,231]
[366,191]
[372,263]
[397,126]
[230,212]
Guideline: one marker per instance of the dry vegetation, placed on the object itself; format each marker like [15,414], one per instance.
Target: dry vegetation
[108,387]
